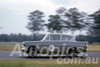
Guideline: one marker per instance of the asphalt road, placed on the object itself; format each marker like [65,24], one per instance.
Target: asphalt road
[20,55]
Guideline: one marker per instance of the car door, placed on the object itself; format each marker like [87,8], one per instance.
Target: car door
[66,43]
[53,43]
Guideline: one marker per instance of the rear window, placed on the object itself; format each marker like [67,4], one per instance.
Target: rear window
[65,37]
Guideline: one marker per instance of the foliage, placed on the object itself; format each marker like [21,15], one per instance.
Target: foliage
[95,28]
[18,37]
[71,19]
[22,37]
[36,21]
[75,20]
[88,38]
[55,23]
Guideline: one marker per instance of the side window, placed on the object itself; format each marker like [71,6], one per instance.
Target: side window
[54,37]
[64,37]
[47,38]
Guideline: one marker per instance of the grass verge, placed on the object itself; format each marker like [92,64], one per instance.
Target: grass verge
[41,63]
[6,48]
[3,44]
[94,47]
[9,47]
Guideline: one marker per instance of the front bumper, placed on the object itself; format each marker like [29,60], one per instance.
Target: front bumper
[24,49]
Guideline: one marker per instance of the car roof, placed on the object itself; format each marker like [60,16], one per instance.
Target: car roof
[58,34]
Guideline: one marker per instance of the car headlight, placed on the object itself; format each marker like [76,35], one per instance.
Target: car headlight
[23,44]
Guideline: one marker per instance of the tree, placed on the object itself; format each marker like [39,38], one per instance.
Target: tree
[55,23]
[75,20]
[95,28]
[36,21]
[61,11]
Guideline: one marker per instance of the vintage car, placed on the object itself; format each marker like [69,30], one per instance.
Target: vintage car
[54,44]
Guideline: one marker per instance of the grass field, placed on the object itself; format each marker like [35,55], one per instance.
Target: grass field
[9,47]
[41,63]
[3,44]
[94,47]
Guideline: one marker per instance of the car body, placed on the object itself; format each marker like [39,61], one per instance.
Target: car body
[56,43]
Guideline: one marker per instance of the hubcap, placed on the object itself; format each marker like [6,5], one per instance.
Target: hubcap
[32,52]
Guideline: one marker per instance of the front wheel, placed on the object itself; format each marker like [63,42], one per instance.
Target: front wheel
[32,52]
[73,53]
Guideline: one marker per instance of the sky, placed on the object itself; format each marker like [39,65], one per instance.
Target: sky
[14,13]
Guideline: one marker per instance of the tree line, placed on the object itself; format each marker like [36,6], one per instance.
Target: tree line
[64,20]
[19,37]
[22,37]
[67,20]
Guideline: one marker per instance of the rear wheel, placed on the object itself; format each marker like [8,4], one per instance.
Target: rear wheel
[32,52]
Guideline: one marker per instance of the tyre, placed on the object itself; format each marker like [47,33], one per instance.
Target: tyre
[73,53]
[32,52]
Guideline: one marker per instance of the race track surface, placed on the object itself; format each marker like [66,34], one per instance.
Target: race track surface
[21,56]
